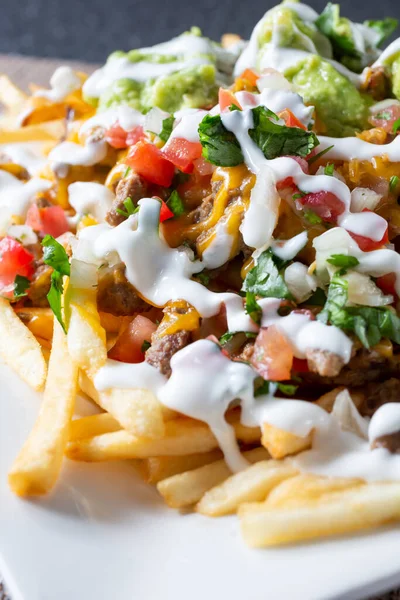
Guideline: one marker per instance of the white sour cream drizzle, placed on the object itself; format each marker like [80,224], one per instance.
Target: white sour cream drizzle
[288,249]
[29,155]
[16,196]
[190,51]
[128,118]
[204,383]
[90,198]
[69,153]
[352,147]
[63,82]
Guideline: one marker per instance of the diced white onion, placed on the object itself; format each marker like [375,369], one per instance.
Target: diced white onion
[345,411]
[362,290]
[301,285]
[364,198]
[83,275]
[23,233]
[272,79]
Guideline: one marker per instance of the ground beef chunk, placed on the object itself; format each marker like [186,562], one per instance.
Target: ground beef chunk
[132,186]
[377,83]
[116,295]
[40,286]
[163,348]
[377,394]
[391,442]
[324,363]
[202,212]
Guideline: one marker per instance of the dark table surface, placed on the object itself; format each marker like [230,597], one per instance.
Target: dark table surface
[90,29]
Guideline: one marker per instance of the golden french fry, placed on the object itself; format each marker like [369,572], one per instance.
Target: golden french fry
[38,320]
[280,443]
[251,485]
[86,336]
[157,468]
[87,427]
[19,348]
[10,95]
[306,487]
[188,488]
[138,411]
[337,513]
[36,468]
[182,436]
[50,131]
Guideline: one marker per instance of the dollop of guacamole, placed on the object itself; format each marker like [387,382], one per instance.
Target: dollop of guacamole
[195,87]
[340,107]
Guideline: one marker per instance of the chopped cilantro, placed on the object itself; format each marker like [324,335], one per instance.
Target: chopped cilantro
[385,28]
[21,284]
[252,308]
[319,155]
[175,203]
[384,115]
[369,324]
[298,195]
[145,346]
[130,208]
[220,146]
[288,389]
[343,261]
[329,169]
[167,127]
[230,334]
[55,256]
[265,278]
[312,217]
[396,126]
[127,171]
[203,278]
[393,183]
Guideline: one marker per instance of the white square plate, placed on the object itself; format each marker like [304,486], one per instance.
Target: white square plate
[105,534]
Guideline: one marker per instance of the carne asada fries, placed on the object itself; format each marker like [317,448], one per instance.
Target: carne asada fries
[205,238]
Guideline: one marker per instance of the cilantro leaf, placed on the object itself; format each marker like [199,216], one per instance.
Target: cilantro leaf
[393,183]
[329,169]
[344,261]
[288,389]
[130,208]
[252,308]
[220,146]
[203,278]
[385,28]
[338,30]
[265,278]
[175,203]
[55,256]
[21,284]
[312,217]
[396,126]
[145,346]
[318,156]
[279,140]
[369,324]
[230,334]
[167,126]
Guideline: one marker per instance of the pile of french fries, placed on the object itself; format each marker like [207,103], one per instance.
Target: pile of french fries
[180,456]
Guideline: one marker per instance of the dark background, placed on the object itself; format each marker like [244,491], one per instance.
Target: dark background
[90,29]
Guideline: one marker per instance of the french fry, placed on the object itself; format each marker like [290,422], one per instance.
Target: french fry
[36,468]
[38,320]
[337,513]
[50,131]
[19,348]
[157,468]
[182,436]
[188,488]
[86,336]
[280,443]
[138,411]
[306,487]
[87,427]
[251,485]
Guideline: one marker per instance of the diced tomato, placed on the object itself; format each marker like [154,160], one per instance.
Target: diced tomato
[324,204]
[386,117]
[49,220]
[182,153]
[387,284]
[165,212]
[250,76]
[147,160]
[14,260]
[226,98]
[300,365]
[273,356]
[129,345]
[290,119]
[366,244]
[288,182]
[117,137]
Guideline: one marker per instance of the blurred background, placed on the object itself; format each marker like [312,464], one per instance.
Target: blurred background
[89,30]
